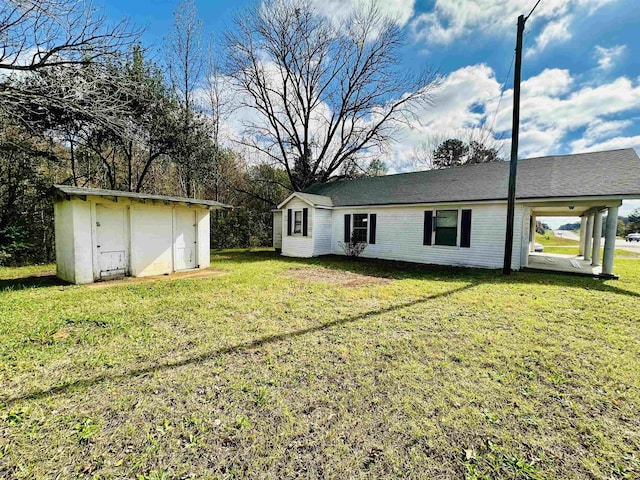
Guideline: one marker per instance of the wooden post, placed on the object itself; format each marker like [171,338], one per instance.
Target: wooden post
[513,167]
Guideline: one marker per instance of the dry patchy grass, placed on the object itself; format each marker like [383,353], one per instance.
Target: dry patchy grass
[334,277]
[432,373]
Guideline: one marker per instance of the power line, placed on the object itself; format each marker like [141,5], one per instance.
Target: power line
[534,7]
[502,90]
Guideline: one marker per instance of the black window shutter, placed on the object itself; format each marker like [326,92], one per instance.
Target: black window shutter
[288,222]
[372,228]
[465,234]
[347,228]
[428,227]
[305,221]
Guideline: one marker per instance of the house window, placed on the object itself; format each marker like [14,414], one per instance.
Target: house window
[297,221]
[446,227]
[360,223]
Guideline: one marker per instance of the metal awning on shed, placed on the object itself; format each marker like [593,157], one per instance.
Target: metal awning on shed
[68,191]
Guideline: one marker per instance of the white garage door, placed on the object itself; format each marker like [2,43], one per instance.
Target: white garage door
[112,240]
[186,228]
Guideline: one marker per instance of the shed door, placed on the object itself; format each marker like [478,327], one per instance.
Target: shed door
[186,228]
[111,234]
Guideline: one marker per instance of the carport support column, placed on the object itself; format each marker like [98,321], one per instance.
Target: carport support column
[583,234]
[588,237]
[597,239]
[532,234]
[610,241]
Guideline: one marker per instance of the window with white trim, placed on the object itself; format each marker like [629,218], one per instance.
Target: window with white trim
[297,221]
[446,228]
[360,227]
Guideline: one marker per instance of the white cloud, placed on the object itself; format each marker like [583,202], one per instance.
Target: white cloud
[585,145]
[450,20]
[553,108]
[338,10]
[551,81]
[554,32]
[607,56]
[599,129]
[549,115]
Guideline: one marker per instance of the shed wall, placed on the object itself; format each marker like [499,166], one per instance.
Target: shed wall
[277,229]
[83,245]
[150,237]
[65,254]
[204,239]
[151,240]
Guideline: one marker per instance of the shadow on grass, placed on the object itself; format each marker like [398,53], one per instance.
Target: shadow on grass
[34,281]
[249,345]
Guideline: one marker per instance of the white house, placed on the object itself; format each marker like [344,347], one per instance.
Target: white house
[103,234]
[457,216]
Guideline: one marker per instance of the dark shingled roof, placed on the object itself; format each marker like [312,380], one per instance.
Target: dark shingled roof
[99,192]
[610,173]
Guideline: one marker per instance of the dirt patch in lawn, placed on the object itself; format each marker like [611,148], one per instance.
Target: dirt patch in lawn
[335,277]
[189,274]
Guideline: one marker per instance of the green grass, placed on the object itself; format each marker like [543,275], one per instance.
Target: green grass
[431,373]
[553,244]
[550,240]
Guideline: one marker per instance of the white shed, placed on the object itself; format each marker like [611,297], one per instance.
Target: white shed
[103,234]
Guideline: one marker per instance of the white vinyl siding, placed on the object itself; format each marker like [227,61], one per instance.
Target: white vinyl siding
[296,245]
[322,229]
[399,235]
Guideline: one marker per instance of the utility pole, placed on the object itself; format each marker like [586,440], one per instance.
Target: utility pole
[513,164]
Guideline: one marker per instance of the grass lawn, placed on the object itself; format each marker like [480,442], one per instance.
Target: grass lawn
[323,368]
[553,244]
[550,240]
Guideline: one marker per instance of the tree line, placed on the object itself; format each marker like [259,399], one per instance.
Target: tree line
[83,102]
[625,225]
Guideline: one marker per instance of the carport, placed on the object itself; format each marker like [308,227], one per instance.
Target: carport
[587,262]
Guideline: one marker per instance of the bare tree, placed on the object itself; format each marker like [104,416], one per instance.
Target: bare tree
[51,57]
[325,93]
[185,64]
[38,34]
[220,105]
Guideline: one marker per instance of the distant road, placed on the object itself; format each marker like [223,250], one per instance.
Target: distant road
[566,234]
[620,243]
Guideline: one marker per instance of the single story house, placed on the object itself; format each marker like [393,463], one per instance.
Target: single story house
[102,234]
[458,216]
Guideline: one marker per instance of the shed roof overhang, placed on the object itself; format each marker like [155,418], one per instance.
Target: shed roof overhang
[67,192]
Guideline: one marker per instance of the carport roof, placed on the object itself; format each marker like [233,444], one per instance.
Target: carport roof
[69,190]
[614,173]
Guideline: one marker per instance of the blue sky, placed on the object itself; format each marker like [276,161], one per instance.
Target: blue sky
[581,68]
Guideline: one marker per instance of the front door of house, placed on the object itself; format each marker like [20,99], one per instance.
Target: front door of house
[186,228]
[111,236]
